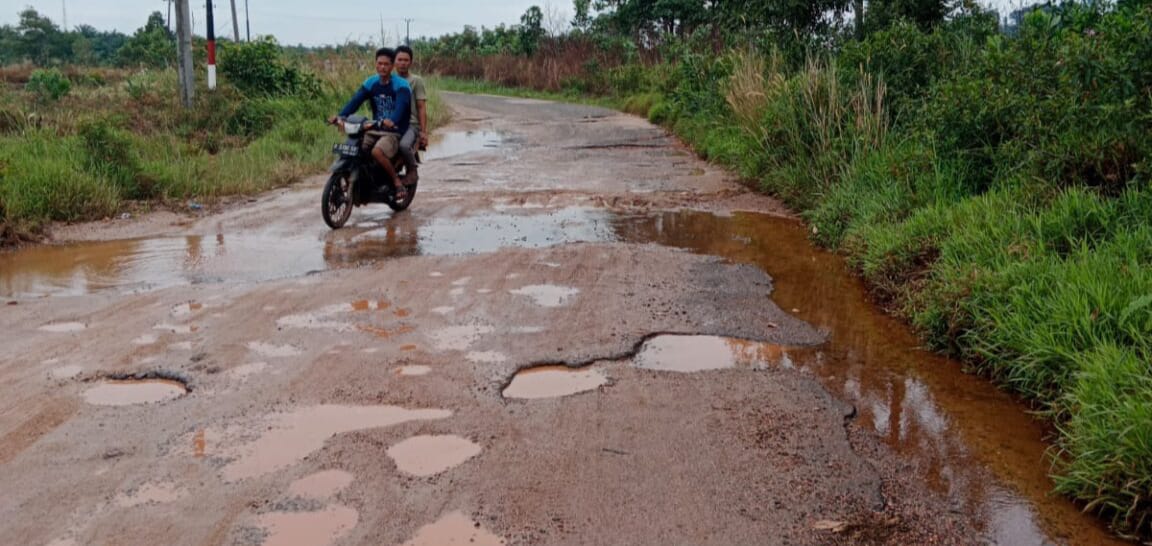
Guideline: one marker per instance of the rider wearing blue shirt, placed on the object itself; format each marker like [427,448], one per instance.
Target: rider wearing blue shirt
[391,100]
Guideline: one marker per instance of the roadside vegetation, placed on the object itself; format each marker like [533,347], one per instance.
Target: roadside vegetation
[91,125]
[989,177]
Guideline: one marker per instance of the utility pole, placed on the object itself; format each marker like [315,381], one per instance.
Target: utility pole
[381,30]
[211,35]
[247,22]
[64,4]
[184,52]
[168,21]
[407,32]
[235,24]
[858,7]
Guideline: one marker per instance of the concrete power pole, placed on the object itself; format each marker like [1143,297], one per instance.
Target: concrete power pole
[211,35]
[184,52]
[235,24]
[407,32]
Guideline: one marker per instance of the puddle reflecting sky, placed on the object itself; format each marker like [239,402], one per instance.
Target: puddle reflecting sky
[454,143]
[150,264]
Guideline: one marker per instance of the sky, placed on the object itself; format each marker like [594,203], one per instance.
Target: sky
[310,22]
[296,21]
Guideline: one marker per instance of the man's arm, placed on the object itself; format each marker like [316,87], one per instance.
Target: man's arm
[403,110]
[422,113]
[362,94]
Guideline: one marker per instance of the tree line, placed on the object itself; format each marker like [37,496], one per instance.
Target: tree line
[38,40]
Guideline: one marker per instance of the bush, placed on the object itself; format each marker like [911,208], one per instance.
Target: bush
[48,85]
[256,68]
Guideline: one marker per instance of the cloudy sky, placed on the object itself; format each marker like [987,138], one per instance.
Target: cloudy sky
[310,22]
[297,21]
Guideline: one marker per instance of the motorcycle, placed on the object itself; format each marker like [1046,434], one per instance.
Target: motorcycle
[357,179]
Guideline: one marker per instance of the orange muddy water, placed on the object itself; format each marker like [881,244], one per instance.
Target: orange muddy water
[959,429]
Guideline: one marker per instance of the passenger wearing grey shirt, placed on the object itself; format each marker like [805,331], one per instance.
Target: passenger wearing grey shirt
[418,126]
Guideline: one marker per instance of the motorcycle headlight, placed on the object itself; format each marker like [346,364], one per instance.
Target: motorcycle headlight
[351,128]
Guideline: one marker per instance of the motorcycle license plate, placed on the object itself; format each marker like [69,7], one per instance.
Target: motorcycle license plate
[345,149]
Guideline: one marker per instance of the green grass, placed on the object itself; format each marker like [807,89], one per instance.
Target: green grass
[129,145]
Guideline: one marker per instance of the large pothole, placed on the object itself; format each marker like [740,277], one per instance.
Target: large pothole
[131,391]
[690,353]
[553,382]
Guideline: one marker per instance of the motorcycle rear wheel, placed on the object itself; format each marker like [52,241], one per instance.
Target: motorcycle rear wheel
[336,200]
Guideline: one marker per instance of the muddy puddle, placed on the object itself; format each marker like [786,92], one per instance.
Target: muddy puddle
[319,528]
[553,382]
[136,265]
[139,265]
[286,438]
[958,426]
[454,528]
[131,392]
[457,143]
[676,353]
[430,455]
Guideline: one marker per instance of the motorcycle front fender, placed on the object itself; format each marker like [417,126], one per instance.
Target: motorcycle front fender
[341,164]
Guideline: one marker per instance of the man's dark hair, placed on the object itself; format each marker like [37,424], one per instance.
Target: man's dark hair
[386,52]
[406,49]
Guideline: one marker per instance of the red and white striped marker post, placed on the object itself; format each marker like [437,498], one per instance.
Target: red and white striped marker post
[211,49]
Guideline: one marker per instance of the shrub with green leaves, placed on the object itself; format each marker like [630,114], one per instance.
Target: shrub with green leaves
[257,68]
[48,85]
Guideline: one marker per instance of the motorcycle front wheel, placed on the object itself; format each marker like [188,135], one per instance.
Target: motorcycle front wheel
[336,201]
[403,204]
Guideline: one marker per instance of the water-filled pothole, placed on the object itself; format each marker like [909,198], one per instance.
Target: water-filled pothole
[321,485]
[430,455]
[454,528]
[286,438]
[454,143]
[319,528]
[677,353]
[126,392]
[547,295]
[553,382]
[150,264]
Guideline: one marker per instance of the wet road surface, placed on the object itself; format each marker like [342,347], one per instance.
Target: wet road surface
[579,334]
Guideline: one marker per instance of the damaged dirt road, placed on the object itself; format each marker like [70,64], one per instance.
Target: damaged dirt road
[512,361]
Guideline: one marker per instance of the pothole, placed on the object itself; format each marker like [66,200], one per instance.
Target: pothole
[686,353]
[130,391]
[454,528]
[553,382]
[454,143]
[321,485]
[430,455]
[287,438]
[413,370]
[63,327]
[547,295]
[318,528]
